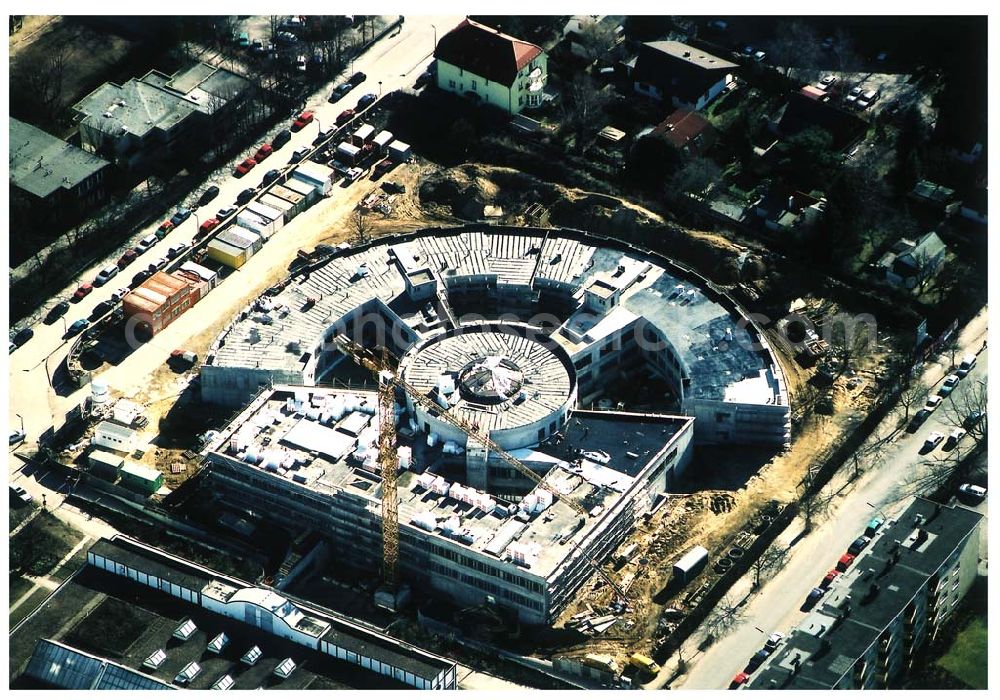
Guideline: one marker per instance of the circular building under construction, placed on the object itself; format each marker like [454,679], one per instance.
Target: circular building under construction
[505,337]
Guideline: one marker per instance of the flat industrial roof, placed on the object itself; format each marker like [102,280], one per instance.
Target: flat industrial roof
[615,435]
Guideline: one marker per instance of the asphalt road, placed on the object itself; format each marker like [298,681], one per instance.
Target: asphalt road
[776,606]
[396,61]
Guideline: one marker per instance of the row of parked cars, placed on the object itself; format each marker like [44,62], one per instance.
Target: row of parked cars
[947,387]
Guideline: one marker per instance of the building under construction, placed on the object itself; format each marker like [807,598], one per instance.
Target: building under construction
[508,492]
[309,456]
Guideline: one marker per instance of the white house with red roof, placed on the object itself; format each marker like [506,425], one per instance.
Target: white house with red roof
[482,63]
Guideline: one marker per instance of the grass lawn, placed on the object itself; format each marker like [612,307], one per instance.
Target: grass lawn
[41,544]
[18,587]
[966,659]
[19,513]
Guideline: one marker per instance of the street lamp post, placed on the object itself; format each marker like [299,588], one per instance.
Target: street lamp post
[434,48]
[22,420]
[880,511]
[380,88]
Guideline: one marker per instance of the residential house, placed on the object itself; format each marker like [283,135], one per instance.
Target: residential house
[787,211]
[974,206]
[869,628]
[51,178]
[156,117]
[909,263]
[681,74]
[935,197]
[803,111]
[474,60]
[687,131]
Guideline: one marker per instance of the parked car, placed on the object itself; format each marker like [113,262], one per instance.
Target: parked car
[774,640]
[120,294]
[206,227]
[423,79]
[759,56]
[303,119]
[263,152]
[101,309]
[814,596]
[127,257]
[286,38]
[382,167]
[225,212]
[949,384]
[245,196]
[828,81]
[953,438]
[299,154]
[829,578]
[257,46]
[854,94]
[323,136]
[738,680]
[845,562]
[358,78]
[972,491]
[280,139]
[180,216]
[105,275]
[858,544]
[18,492]
[968,362]
[57,311]
[933,402]
[22,336]
[158,264]
[76,328]
[210,193]
[366,101]
[141,276]
[271,175]
[757,659]
[340,91]
[185,356]
[973,419]
[918,419]
[867,99]
[244,167]
[83,290]
[145,244]
[164,228]
[243,40]
[301,63]
[175,250]
[873,526]
[345,117]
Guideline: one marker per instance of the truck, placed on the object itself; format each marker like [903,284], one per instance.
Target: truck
[644,664]
[603,662]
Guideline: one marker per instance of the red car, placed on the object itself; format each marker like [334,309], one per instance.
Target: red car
[345,116]
[830,576]
[85,289]
[738,680]
[207,226]
[304,118]
[844,562]
[263,152]
[165,228]
[244,167]
[126,258]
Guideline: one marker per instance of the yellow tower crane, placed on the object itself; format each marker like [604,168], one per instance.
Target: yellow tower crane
[388,381]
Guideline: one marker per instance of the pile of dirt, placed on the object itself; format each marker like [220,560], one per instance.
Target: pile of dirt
[466,190]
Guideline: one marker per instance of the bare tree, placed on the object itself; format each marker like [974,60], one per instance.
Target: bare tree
[769,561]
[583,110]
[911,396]
[595,39]
[813,504]
[796,47]
[361,226]
[968,399]
[724,616]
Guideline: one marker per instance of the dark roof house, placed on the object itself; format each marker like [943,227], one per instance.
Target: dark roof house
[687,76]
[485,51]
[802,112]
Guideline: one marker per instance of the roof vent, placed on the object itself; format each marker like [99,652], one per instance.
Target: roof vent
[107,115]
[687,54]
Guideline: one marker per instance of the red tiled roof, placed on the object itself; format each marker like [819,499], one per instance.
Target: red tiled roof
[681,126]
[485,51]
